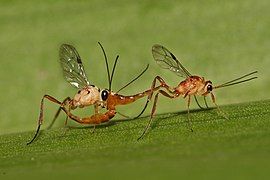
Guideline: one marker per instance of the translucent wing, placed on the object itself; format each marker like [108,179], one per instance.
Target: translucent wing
[167,60]
[72,66]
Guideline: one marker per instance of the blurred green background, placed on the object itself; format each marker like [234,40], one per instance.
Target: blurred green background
[219,40]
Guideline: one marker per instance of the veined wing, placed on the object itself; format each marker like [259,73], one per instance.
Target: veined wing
[167,60]
[72,66]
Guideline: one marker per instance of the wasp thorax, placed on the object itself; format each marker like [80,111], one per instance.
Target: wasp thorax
[86,96]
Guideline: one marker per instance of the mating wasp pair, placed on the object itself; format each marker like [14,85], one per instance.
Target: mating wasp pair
[88,94]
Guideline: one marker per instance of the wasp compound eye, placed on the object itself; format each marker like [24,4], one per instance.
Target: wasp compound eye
[104,95]
[209,87]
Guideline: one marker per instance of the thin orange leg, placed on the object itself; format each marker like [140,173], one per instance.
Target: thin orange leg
[40,119]
[162,84]
[197,102]
[189,121]
[219,110]
[63,104]
[154,110]
[94,119]
[154,88]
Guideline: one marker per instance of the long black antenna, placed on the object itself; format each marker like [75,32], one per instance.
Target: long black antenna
[114,65]
[235,81]
[107,65]
[240,77]
[134,79]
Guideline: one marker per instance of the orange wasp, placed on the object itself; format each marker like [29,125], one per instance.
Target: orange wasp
[88,94]
[191,86]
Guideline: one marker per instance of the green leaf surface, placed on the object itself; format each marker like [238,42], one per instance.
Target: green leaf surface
[237,148]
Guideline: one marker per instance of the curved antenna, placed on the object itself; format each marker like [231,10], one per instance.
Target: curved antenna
[107,65]
[134,79]
[114,65]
